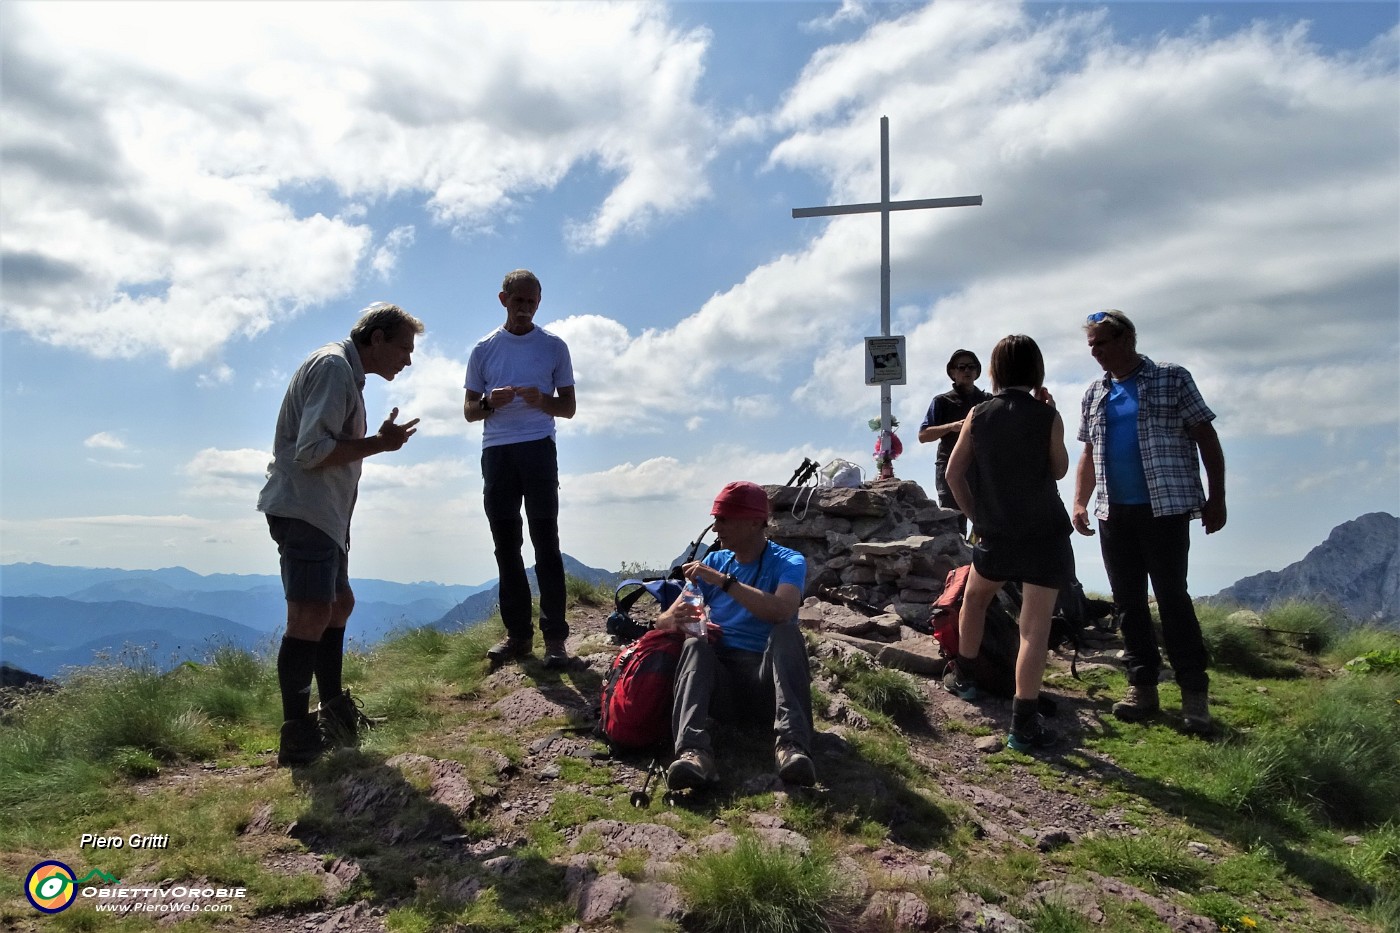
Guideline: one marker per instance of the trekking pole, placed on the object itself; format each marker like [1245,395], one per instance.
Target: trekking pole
[794,479]
[640,798]
[809,469]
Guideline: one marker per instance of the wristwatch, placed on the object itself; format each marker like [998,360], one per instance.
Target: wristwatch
[485,402]
[729,580]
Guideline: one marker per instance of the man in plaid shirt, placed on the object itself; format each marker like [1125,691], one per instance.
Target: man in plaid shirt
[1143,426]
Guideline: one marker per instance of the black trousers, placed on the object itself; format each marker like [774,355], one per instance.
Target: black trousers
[1137,548]
[526,473]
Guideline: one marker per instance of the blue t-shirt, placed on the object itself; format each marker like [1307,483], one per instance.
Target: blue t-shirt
[538,359]
[775,566]
[1127,483]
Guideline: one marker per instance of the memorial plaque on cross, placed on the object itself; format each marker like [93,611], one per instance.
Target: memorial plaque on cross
[884,206]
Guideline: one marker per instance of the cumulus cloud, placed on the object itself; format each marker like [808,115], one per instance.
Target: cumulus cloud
[226,474]
[151,184]
[436,474]
[222,374]
[850,11]
[431,390]
[386,257]
[104,440]
[1247,178]
[653,507]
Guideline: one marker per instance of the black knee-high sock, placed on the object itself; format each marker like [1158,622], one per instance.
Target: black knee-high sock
[967,669]
[330,653]
[296,661]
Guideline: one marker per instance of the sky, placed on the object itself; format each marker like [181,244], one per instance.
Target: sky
[195,196]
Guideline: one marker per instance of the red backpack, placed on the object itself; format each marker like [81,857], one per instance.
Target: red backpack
[946,610]
[636,704]
[1001,637]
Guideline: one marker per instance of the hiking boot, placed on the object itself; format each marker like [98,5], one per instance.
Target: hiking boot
[510,649]
[1030,734]
[795,766]
[300,743]
[1195,713]
[693,767]
[341,719]
[1140,703]
[556,654]
[958,682]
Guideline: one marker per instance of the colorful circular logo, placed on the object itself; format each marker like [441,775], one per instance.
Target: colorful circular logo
[50,887]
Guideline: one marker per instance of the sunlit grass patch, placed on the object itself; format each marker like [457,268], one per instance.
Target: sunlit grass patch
[1158,859]
[755,889]
[1053,917]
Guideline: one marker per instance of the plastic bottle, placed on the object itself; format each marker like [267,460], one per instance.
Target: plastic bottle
[691,595]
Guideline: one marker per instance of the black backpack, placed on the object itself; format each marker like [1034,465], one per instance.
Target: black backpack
[1071,616]
[621,626]
[1001,641]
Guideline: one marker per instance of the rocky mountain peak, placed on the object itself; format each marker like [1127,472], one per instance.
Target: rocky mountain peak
[1357,568]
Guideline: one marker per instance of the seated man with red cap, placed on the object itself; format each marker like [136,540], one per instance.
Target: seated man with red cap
[758,666]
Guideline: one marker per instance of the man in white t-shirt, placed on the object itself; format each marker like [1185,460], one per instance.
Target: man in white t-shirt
[519,379]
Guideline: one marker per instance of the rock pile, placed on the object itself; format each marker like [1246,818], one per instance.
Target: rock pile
[884,543]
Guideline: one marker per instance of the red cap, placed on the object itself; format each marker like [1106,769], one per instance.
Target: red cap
[741,500]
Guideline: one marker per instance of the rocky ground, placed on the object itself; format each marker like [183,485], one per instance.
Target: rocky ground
[455,815]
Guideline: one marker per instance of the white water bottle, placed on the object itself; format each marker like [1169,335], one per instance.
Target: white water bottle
[691,597]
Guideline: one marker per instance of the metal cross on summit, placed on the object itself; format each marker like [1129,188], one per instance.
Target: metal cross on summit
[887,355]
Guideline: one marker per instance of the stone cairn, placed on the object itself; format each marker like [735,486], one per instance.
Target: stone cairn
[883,548]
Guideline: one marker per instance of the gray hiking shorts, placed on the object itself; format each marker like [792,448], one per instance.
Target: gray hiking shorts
[314,568]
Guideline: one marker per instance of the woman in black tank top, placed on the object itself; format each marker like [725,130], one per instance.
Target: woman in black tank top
[1003,472]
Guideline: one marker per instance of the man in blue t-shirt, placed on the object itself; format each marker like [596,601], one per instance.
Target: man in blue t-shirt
[758,664]
[519,379]
[1146,433]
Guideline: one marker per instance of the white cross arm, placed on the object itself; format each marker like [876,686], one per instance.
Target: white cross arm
[874,206]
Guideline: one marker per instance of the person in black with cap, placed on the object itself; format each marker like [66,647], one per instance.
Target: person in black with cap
[945,417]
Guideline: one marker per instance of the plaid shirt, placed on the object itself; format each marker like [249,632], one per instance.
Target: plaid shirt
[1169,405]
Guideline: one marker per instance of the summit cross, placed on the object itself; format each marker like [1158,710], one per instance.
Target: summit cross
[884,206]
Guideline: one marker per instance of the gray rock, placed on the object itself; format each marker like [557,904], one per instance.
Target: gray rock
[1077,897]
[1055,837]
[657,841]
[450,785]
[899,910]
[527,706]
[597,899]
[975,914]
[658,900]
[1175,918]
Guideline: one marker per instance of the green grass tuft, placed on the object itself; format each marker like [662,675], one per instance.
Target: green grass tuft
[579,592]
[1160,859]
[1054,917]
[1324,623]
[754,889]
[886,691]
[878,689]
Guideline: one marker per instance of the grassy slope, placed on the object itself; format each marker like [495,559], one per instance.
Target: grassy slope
[1277,801]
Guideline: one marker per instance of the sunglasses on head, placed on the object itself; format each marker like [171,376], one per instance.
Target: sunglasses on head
[1098,317]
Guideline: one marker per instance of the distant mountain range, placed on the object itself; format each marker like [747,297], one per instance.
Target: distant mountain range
[1356,569]
[53,617]
[482,605]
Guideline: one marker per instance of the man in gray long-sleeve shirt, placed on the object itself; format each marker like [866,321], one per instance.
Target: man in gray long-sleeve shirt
[312,483]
